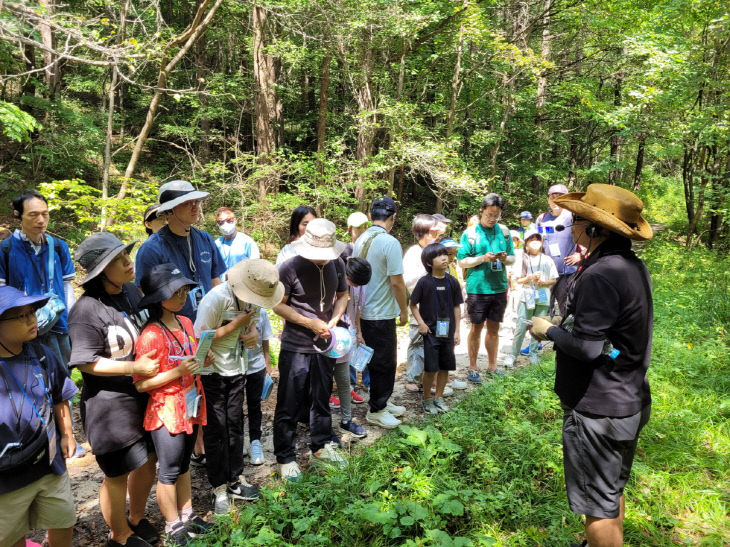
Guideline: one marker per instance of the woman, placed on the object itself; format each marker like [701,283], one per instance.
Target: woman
[35,428]
[176,407]
[300,217]
[103,326]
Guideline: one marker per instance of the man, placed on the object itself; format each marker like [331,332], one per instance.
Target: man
[386,300]
[554,225]
[486,250]
[442,224]
[179,243]
[315,297]
[603,348]
[233,245]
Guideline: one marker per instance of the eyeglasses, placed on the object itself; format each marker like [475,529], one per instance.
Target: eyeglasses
[181,292]
[493,217]
[26,317]
[194,203]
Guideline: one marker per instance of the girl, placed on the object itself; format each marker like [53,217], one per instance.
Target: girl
[176,404]
[300,217]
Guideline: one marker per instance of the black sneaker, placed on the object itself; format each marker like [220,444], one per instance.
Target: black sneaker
[243,491]
[132,541]
[145,530]
[198,459]
[196,526]
[179,535]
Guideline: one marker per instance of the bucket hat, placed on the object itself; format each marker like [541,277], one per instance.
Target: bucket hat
[175,192]
[10,298]
[161,282]
[318,241]
[450,243]
[256,281]
[611,207]
[357,219]
[558,189]
[97,251]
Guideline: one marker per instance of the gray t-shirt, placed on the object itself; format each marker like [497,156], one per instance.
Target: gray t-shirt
[256,360]
[385,258]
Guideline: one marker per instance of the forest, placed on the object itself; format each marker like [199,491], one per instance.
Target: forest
[330,102]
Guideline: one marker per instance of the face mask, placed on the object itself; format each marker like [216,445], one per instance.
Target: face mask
[535,246]
[227,228]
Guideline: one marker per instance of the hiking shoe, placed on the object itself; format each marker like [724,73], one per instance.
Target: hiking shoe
[242,490]
[196,526]
[145,530]
[441,405]
[526,349]
[382,418]
[290,471]
[447,391]
[329,454]
[221,502]
[473,376]
[395,410]
[132,541]
[334,402]
[509,361]
[257,453]
[354,429]
[495,372]
[198,459]
[457,384]
[429,406]
[356,397]
[179,535]
[534,359]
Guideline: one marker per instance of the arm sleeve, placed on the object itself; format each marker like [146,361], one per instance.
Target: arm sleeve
[87,343]
[208,315]
[265,326]
[151,339]
[553,271]
[417,292]
[69,296]
[394,258]
[284,277]
[341,278]
[578,348]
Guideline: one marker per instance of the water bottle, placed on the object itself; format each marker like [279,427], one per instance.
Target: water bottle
[608,348]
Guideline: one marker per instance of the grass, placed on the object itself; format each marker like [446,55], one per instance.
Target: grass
[490,471]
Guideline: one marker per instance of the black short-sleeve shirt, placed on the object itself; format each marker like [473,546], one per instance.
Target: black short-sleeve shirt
[446,291]
[302,285]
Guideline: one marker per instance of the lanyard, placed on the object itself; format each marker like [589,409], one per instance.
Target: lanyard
[489,241]
[539,267]
[20,386]
[448,295]
[174,340]
[44,286]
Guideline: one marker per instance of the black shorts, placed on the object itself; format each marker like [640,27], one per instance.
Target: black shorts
[597,456]
[438,353]
[127,459]
[481,307]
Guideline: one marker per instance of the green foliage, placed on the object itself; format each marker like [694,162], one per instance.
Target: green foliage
[17,125]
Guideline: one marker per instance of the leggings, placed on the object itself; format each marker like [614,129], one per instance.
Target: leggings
[342,379]
[173,453]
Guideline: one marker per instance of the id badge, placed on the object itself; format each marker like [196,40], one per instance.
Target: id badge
[192,402]
[52,445]
[541,297]
[529,299]
[497,266]
[196,295]
[442,328]
[554,249]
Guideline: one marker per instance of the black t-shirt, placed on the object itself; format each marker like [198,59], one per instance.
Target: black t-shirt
[104,325]
[610,299]
[302,285]
[428,291]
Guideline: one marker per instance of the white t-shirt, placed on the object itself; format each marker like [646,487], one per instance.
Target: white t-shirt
[540,263]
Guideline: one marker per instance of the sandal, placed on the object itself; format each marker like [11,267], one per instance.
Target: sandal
[413,388]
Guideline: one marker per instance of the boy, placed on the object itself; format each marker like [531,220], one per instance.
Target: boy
[259,365]
[435,305]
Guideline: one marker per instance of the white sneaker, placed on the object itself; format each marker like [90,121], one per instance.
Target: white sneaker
[382,418]
[395,410]
[290,471]
[457,384]
[329,454]
[441,405]
[447,391]
[257,453]
[509,361]
[221,501]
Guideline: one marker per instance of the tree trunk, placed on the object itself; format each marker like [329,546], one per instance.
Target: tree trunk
[615,143]
[366,119]
[639,161]
[201,74]
[52,69]
[542,86]
[324,86]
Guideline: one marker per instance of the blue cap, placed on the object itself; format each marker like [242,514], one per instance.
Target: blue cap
[526,214]
[384,204]
[450,243]
[10,298]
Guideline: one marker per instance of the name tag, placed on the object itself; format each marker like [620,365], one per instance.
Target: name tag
[554,249]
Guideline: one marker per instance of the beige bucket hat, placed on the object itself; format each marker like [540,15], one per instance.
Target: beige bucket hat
[256,281]
[318,241]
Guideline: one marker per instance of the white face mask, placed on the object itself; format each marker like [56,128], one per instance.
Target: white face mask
[534,246]
[227,228]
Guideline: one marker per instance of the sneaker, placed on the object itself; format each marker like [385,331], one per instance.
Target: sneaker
[382,418]
[334,402]
[448,392]
[196,526]
[132,541]
[495,372]
[429,406]
[145,530]
[242,490]
[509,361]
[457,384]
[198,460]
[257,453]
[526,349]
[290,471]
[395,410]
[534,359]
[354,429]
[179,535]
[473,376]
[221,502]
[441,405]
[329,454]
[356,397]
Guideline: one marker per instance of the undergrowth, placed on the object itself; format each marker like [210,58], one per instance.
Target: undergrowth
[490,471]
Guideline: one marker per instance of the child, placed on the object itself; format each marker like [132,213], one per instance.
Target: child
[435,304]
[171,417]
[35,490]
[259,365]
[535,276]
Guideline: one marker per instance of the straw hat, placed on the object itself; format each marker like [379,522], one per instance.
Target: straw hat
[256,281]
[318,241]
[611,207]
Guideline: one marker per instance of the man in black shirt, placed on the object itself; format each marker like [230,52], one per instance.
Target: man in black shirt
[603,348]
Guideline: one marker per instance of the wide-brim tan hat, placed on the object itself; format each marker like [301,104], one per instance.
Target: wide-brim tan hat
[319,242]
[611,207]
[256,281]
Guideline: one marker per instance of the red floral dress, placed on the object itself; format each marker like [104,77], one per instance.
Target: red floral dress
[166,405]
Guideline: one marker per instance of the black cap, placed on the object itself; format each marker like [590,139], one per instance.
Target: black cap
[150,213]
[161,282]
[383,205]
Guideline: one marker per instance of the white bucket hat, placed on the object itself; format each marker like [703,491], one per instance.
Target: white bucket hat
[256,281]
[175,192]
[318,241]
